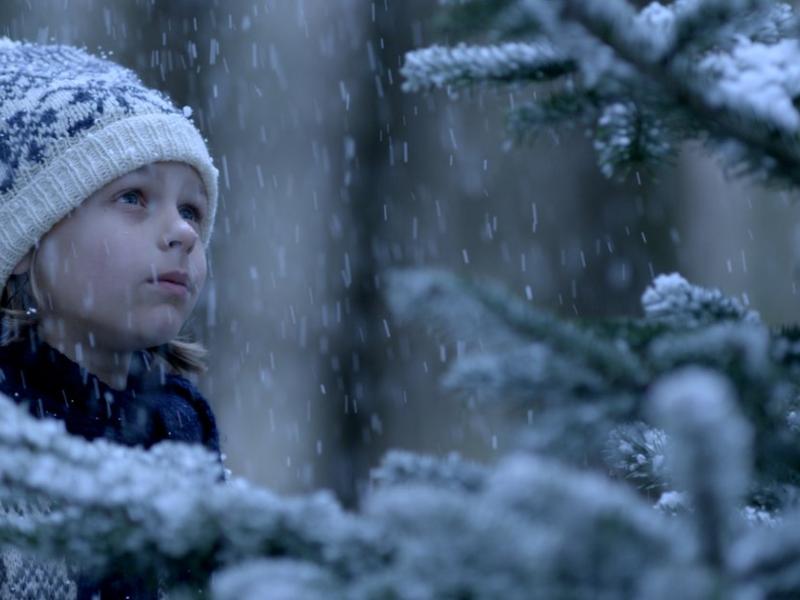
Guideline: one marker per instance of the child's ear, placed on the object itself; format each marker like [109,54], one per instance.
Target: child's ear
[24,264]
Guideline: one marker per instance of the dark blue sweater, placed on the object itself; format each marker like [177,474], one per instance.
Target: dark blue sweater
[155,406]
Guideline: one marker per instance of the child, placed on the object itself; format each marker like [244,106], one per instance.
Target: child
[107,201]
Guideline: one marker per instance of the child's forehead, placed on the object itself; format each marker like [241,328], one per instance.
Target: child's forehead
[161,171]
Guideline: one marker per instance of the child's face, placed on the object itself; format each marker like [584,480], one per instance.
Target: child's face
[98,266]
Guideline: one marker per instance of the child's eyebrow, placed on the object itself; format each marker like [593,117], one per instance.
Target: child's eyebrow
[141,171]
[199,187]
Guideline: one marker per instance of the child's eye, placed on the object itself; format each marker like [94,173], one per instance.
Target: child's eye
[192,212]
[131,197]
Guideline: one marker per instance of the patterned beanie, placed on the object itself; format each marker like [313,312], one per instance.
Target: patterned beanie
[70,123]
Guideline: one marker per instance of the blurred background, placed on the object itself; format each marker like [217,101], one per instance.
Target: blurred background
[330,174]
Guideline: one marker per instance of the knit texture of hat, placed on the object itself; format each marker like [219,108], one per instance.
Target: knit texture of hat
[70,123]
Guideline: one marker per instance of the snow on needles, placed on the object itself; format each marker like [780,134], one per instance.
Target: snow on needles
[760,78]
[710,453]
[673,300]
[439,66]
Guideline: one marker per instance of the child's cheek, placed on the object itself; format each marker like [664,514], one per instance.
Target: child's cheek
[53,265]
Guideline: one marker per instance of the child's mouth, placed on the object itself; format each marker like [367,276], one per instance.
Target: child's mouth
[173,283]
[171,287]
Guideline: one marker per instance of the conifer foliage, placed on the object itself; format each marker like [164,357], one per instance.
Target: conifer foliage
[641,81]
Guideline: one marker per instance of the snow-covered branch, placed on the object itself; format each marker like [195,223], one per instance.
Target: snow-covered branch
[745,94]
[493,319]
[721,71]
[439,66]
[673,300]
[155,512]
[400,467]
[709,453]
[635,451]
[587,380]
[113,507]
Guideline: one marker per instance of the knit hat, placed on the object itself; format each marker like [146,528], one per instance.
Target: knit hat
[70,123]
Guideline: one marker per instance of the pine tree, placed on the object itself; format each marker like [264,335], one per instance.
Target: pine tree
[656,456]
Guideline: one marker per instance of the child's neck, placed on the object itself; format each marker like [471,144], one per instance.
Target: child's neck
[108,366]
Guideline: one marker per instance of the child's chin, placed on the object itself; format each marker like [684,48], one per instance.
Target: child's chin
[162,324]
[160,339]
[150,339]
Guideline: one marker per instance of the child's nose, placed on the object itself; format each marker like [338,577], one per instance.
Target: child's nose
[180,233]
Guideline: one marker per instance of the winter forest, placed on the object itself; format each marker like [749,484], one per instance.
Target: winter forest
[502,303]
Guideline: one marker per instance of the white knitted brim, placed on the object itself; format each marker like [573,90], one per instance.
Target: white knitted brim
[92,162]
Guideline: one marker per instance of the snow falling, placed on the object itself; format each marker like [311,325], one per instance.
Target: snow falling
[500,302]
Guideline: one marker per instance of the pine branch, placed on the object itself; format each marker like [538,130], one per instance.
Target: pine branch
[611,516]
[439,299]
[281,578]
[163,511]
[768,559]
[503,321]
[497,20]
[722,115]
[673,301]
[633,333]
[739,347]
[625,136]
[563,108]
[636,451]
[707,328]
[697,22]
[514,534]
[590,378]
[529,376]
[157,511]
[673,503]
[710,452]
[438,66]
[723,71]
[400,467]
[574,430]
[741,351]
[613,360]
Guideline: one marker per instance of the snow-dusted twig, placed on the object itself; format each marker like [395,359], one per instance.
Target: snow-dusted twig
[617,19]
[710,453]
[439,66]
[768,558]
[522,375]
[635,451]
[400,467]
[745,345]
[444,303]
[694,18]
[625,135]
[500,320]
[758,79]
[672,300]
[258,579]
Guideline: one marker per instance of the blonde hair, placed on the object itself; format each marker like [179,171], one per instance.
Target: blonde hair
[181,355]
